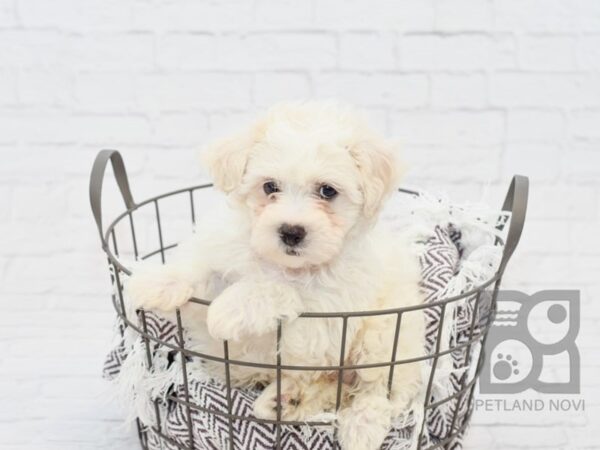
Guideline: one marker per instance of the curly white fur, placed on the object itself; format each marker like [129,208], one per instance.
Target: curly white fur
[344,262]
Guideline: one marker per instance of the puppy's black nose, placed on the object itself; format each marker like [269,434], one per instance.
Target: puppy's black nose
[291,235]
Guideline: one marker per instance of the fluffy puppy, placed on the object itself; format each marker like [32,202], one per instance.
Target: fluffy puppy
[305,185]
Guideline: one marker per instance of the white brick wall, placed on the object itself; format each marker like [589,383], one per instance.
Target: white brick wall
[477,90]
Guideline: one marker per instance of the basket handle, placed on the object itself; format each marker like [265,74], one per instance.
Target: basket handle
[97,178]
[515,202]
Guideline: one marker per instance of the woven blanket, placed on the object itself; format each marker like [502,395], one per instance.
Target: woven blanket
[450,265]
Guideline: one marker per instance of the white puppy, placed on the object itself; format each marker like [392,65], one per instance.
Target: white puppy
[306,184]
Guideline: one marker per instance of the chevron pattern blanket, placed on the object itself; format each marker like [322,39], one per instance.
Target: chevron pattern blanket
[168,424]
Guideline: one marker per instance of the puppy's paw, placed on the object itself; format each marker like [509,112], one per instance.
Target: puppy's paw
[403,398]
[365,424]
[408,384]
[163,288]
[251,308]
[222,324]
[301,400]
[265,406]
[225,317]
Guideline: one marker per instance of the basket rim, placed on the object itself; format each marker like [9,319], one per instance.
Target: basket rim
[114,260]
[140,329]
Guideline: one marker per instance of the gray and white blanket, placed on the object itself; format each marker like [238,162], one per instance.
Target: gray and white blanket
[452,261]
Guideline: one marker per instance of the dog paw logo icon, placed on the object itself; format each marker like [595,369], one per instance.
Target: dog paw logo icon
[505,367]
[527,333]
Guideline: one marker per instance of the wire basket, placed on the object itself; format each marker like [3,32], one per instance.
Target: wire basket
[515,203]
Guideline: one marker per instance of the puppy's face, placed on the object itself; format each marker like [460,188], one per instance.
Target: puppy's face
[307,176]
[303,195]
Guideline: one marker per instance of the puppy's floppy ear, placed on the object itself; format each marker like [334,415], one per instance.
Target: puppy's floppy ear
[380,171]
[227,158]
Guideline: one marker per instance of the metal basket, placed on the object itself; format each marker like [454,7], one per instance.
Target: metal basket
[515,203]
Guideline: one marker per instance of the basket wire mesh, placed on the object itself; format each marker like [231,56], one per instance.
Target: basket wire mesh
[482,317]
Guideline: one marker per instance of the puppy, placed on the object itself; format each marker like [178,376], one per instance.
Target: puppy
[305,185]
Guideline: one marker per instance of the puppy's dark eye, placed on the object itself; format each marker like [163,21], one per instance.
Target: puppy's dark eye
[327,192]
[270,187]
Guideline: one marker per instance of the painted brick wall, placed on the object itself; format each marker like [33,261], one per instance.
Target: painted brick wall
[477,90]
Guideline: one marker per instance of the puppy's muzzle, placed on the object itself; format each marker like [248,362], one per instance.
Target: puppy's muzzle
[292,235]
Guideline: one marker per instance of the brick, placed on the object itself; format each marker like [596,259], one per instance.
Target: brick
[377,117]
[479,437]
[24,164]
[53,88]
[182,165]
[590,245]
[548,53]
[194,51]
[583,165]
[458,90]
[5,203]
[19,389]
[559,201]
[36,127]
[584,125]
[589,93]
[221,124]
[8,88]
[400,15]
[28,303]
[82,434]
[181,129]
[449,165]
[541,162]
[547,271]
[271,88]
[367,51]
[114,130]
[8,16]
[50,276]
[104,92]
[552,437]
[192,15]
[382,89]
[283,14]
[544,90]
[451,128]
[278,51]
[588,52]
[60,347]
[21,48]
[463,15]
[69,15]
[536,126]
[545,236]
[89,303]
[16,433]
[456,52]
[113,51]
[588,16]
[57,237]
[535,15]
[58,324]
[184,91]
[39,202]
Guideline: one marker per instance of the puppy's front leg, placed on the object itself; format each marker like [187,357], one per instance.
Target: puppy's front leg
[161,287]
[251,308]
[366,422]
